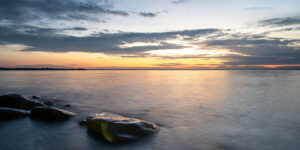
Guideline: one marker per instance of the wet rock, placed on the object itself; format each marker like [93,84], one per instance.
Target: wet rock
[50,113]
[35,97]
[54,102]
[18,101]
[115,128]
[83,122]
[68,105]
[48,103]
[11,113]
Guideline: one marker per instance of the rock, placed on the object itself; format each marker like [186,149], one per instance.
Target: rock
[115,128]
[48,103]
[82,123]
[35,97]
[11,113]
[50,113]
[54,102]
[18,101]
[68,105]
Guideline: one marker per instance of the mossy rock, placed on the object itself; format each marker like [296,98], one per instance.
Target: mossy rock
[115,128]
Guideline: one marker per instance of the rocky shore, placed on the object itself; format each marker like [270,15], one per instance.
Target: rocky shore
[109,127]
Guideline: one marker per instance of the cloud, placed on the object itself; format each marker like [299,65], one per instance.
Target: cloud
[258,50]
[35,31]
[251,49]
[179,1]
[251,46]
[169,64]
[50,40]
[76,28]
[265,60]
[258,8]
[148,14]
[20,11]
[42,66]
[280,21]
[245,49]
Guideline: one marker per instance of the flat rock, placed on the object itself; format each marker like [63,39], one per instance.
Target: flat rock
[18,101]
[115,128]
[50,113]
[11,113]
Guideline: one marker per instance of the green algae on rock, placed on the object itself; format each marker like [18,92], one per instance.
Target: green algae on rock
[115,128]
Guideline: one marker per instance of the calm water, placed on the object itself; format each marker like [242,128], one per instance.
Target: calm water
[214,110]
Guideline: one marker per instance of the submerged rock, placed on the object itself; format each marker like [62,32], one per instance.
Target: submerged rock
[48,103]
[18,101]
[50,113]
[115,128]
[67,105]
[35,97]
[11,113]
[82,123]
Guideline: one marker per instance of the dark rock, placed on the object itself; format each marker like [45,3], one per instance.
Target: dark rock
[36,97]
[68,105]
[11,113]
[54,102]
[83,122]
[48,103]
[18,101]
[115,128]
[50,113]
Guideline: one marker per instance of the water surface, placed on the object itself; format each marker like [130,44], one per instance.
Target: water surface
[232,110]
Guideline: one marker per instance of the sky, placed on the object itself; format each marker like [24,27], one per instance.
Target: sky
[150,34]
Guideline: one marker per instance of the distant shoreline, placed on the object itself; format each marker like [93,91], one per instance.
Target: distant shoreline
[24,69]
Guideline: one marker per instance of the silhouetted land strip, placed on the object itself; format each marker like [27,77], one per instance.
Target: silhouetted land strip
[43,69]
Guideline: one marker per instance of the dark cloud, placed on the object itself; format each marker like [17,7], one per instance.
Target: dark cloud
[293,29]
[179,1]
[286,59]
[76,28]
[280,21]
[19,11]
[258,50]
[48,39]
[255,46]
[148,14]
[35,31]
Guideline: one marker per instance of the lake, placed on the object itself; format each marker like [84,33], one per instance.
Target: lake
[209,110]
